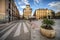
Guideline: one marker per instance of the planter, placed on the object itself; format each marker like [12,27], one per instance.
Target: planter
[47,33]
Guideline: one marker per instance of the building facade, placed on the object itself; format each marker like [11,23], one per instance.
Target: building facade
[8,10]
[43,13]
[57,15]
[27,12]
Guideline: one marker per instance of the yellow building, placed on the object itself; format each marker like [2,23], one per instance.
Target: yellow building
[57,15]
[27,12]
[43,13]
[8,10]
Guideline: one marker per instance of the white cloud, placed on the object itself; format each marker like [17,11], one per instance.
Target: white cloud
[22,6]
[26,1]
[37,1]
[23,2]
[21,13]
[55,5]
[19,3]
[16,5]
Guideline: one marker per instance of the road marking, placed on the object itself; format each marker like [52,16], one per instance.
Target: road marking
[6,28]
[25,28]
[28,24]
[8,24]
[7,33]
[17,33]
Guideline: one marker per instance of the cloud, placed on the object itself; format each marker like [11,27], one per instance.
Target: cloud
[22,6]
[55,5]
[21,12]
[26,2]
[37,1]
[23,2]
[19,3]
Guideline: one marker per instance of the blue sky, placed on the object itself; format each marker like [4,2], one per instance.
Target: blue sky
[36,4]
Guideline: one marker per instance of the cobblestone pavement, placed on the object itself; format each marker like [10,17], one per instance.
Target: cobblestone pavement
[25,30]
[35,32]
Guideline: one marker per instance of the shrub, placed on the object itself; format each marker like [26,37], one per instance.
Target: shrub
[47,23]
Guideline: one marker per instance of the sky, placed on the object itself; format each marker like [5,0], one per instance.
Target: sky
[36,4]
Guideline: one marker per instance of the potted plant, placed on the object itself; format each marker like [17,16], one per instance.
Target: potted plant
[46,28]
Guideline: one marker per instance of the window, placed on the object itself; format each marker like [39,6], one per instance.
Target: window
[9,6]
[9,0]
[9,13]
